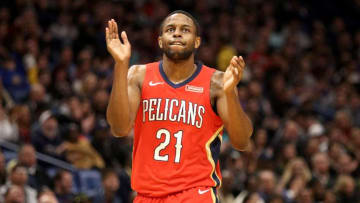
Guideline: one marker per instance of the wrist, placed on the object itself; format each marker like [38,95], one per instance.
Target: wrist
[122,62]
[230,92]
[121,65]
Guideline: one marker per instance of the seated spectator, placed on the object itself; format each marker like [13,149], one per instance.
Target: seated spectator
[79,151]
[14,194]
[21,115]
[19,177]
[346,165]
[47,196]
[108,192]
[295,177]
[9,130]
[63,184]
[321,169]
[345,188]
[46,138]
[27,158]
[14,79]
[267,183]
[38,99]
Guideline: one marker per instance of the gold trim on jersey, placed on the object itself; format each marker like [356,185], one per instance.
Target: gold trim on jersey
[208,151]
[213,195]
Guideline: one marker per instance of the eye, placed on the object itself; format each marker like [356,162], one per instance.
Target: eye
[170,29]
[186,30]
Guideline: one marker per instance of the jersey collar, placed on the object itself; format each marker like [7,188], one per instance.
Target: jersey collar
[192,77]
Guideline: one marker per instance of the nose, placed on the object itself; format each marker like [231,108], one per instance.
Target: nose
[177,33]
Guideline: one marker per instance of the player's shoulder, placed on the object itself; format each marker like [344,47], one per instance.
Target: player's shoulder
[136,74]
[217,79]
[217,83]
[141,68]
[137,69]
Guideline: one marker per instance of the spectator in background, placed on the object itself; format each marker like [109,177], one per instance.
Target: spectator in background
[37,177]
[294,179]
[46,138]
[19,177]
[13,77]
[267,183]
[109,191]
[47,196]
[38,99]
[321,169]
[79,151]
[345,189]
[8,129]
[21,115]
[63,185]
[14,194]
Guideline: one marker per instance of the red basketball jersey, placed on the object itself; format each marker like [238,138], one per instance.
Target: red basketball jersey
[177,135]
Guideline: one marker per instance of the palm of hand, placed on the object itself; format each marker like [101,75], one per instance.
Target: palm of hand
[233,73]
[120,51]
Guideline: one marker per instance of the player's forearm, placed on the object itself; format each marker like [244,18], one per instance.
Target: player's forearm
[239,126]
[118,111]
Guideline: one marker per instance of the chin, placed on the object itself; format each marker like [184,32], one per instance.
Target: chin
[178,55]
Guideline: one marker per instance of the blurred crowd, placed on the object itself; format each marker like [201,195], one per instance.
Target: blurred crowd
[300,89]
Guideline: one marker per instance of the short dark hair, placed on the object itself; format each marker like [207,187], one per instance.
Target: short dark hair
[59,175]
[196,23]
[107,172]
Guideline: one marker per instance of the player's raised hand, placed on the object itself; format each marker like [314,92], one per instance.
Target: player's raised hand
[233,73]
[120,51]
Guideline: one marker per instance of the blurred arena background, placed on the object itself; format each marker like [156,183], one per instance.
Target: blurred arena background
[301,90]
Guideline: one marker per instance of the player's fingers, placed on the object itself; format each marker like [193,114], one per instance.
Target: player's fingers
[113,28]
[116,29]
[241,62]
[233,61]
[125,38]
[110,29]
[107,35]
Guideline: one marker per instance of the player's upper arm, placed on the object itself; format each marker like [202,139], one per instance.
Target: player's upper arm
[135,79]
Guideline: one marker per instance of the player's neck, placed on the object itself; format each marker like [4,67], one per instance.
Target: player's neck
[178,71]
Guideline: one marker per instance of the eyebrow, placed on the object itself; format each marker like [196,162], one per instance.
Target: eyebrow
[173,25]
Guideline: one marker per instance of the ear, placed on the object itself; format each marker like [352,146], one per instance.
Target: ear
[197,42]
[160,42]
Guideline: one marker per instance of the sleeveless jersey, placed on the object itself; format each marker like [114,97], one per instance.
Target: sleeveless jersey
[177,135]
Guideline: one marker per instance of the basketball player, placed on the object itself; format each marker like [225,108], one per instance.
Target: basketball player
[178,108]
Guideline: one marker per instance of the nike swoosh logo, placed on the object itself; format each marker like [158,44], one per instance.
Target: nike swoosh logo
[203,191]
[151,83]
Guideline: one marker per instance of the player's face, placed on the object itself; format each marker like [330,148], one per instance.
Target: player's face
[178,40]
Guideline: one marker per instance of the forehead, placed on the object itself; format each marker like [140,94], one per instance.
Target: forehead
[178,19]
